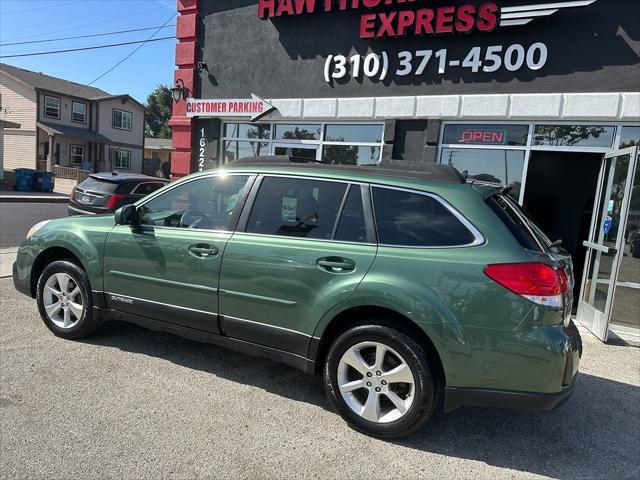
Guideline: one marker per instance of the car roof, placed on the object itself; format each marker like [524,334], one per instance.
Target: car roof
[391,169]
[121,177]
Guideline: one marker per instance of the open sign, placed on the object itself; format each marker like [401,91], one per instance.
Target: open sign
[483,137]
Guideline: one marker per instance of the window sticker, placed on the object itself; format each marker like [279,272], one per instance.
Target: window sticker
[289,209]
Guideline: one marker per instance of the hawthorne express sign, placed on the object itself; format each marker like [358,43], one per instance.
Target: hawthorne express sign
[406,21]
[387,19]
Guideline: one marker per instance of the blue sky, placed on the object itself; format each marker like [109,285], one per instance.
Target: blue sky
[153,64]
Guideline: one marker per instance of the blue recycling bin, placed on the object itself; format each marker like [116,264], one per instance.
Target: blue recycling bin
[44,181]
[24,179]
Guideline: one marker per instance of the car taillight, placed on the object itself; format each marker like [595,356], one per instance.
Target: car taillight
[113,199]
[540,283]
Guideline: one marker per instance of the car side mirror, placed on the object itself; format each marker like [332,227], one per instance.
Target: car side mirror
[126,215]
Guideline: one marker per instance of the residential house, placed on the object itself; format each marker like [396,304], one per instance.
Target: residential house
[157,156]
[67,127]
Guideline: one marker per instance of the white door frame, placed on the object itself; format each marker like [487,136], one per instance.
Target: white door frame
[595,320]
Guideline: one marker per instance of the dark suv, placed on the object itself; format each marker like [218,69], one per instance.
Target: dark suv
[107,191]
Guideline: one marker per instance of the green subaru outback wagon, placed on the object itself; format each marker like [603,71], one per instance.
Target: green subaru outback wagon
[406,291]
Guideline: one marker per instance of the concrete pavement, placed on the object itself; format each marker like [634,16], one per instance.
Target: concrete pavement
[7,257]
[131,403]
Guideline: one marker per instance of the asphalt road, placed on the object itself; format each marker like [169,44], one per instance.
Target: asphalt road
[17,218]
[133,404]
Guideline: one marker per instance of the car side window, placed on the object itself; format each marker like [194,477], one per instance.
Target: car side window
[352,226]
[207,203]
[295,207]
[411,219]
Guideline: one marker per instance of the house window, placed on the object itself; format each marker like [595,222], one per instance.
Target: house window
[77,154]
[121,120]
[78,112]
[51,107]
[121,159]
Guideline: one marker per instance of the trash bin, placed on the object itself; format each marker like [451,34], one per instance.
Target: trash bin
[24,179]
[44,181]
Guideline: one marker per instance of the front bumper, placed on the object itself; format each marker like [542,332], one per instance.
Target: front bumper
[23,285]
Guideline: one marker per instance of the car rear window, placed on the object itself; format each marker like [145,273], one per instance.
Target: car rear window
[406,218]
[526,232]
[97,185]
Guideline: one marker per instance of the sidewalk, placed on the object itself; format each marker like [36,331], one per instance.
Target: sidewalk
[58,196]
[7,257]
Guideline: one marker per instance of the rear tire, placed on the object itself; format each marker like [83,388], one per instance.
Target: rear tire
[64,300]
[379,380]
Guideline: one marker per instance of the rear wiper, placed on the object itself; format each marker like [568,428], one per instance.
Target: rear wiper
[499,191]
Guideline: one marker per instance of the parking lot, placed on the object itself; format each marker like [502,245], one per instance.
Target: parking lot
[129,403]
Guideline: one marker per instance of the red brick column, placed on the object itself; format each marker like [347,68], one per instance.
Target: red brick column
[182,126]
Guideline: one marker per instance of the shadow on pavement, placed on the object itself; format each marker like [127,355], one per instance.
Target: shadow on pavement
[596,434]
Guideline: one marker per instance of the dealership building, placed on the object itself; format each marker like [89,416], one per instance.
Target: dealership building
[543,96]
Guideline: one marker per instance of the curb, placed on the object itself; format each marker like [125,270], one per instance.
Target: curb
[33,199]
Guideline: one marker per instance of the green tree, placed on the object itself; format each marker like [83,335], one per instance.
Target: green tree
[158,113]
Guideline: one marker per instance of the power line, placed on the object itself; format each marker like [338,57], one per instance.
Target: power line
[150,39]
[67,28]
[84,36]
[50,52]
[4,14]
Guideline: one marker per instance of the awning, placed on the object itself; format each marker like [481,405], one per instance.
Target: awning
[75,132]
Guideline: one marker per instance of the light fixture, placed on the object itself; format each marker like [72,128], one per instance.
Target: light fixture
[179,91]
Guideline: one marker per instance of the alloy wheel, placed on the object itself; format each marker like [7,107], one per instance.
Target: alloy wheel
[376,382]
[62,300]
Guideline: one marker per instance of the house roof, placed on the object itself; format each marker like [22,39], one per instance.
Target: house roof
[53,84]
[74,132]
[157,143]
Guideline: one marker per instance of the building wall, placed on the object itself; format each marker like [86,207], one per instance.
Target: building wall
[589,49]
[105,117]
[65,110]
[18,102]
[136,159]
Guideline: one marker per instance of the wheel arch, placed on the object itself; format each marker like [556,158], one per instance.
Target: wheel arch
[49,255]
[360,315]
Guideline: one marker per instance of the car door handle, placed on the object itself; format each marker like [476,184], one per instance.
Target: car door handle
[203,251]
[336,264]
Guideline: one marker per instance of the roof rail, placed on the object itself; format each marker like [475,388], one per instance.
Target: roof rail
[399,168]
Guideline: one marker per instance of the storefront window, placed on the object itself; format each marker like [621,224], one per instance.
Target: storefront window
[344,143]
[573,135]
[247,131]
[351,154]
[353,133]
[510,135]
[234,150]
[630,137]
[502,167]
[298,132]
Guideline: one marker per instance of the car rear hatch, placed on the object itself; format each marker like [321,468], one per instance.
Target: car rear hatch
[93,194]
[534,240]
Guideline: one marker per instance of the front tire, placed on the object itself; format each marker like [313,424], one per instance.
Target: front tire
[379,380]
[64,300]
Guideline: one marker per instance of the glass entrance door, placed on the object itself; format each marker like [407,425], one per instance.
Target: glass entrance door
[607,243]
[297,150]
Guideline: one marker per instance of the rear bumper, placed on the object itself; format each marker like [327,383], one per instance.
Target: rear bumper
[554,378]
[477,397]
[71,210]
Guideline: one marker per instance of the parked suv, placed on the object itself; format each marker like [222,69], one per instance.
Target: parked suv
[105,192]
[405,290]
